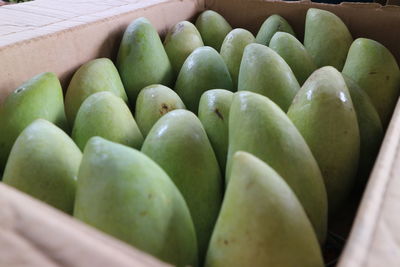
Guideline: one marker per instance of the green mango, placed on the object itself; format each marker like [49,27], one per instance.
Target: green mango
[295,55]
[204,69]
[265,72]
[179,144]
[375,70]
[142,59]
[259,126]
[44,163]
[180,42]
[261,222]
[326,38]
[213,28]
[232,51]
[94,76]
[152,103]
[371,130]
[124,193]
[39,97]
[271,25]
[106,115]
[214,115]
[324,114]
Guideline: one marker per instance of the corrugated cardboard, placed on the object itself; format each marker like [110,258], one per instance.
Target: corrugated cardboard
[59,36]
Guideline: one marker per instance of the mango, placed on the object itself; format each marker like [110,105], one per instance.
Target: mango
[106,115]
[214,115]
[153,102]
[122,192]
[142,60]
[373,67]
[260,127]
[271,25]
[39,97]
[295,55]
[371,130]
[44,163]
[232,51]
[326,38]
[261,222]
[213,28]
[324,114]
[204,69]
[94,76]
[179,144]
[180,42]
[263,71]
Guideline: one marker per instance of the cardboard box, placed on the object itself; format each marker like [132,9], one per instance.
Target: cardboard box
[59,36]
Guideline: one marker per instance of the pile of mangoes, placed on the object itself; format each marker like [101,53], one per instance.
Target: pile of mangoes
[260,140]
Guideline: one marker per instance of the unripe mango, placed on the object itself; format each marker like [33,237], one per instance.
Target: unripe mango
[324,114]
[94,76]
[213,28]
[204,69]
[271,25]
[180,42]
[142,60]
[106,115]
[264,72]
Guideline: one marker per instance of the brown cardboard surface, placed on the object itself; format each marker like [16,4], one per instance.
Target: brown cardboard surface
[60,37]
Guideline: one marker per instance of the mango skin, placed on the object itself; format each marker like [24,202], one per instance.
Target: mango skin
[295,55]
[371,130]
[265,72]
[232,51]
[152,103]
[214,115]
[326,38]
[204,69]
[375,70]
[260,127]
[180,42]
[44,163]
[94,76]
[142,60]
[125,194]
[106,115]
[324,114]
[179,144]
[39,97]
[261,222]
[271,25]
[213,28]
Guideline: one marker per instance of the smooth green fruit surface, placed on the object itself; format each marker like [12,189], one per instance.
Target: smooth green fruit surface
[264,72]
[44,163]
[324,114]
[213,28]
[125,194]
[295,55]
[94,76]
[260,127]
[370,126]
[180,42]
[326,38]
[232,51]
[142,60]
[375,70]
[271,25]
[39,97]
[179,144]
[261,222]
[106,115]
[152,103]
[204,69]
[214,115]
